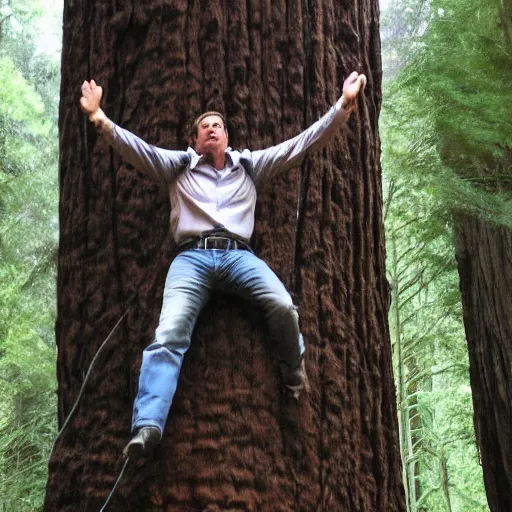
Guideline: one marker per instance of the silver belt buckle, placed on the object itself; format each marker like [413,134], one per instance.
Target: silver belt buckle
[213,238]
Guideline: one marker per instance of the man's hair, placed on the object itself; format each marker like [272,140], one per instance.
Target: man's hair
[192,134]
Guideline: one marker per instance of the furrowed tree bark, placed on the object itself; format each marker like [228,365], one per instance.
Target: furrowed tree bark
[484,254]
[232,441]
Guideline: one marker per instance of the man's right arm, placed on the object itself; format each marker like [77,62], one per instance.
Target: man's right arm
[161,164]
[270,162]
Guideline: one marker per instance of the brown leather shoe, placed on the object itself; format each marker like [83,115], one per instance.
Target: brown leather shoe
[142,442]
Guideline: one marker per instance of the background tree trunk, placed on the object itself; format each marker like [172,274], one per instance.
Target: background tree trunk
[231,443]
[484,253]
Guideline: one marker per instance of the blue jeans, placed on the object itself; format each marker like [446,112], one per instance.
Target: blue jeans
[192,277]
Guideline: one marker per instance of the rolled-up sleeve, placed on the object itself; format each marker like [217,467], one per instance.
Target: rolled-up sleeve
[269,163]
[160,164]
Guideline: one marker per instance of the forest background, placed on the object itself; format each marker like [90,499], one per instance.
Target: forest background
[446,67]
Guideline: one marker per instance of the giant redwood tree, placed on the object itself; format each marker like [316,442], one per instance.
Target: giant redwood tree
[484,253]
[484,256]
[232,441]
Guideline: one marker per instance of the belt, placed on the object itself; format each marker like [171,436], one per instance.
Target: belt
[215,242]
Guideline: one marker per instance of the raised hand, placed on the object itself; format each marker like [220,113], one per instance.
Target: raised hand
[353,85]
[91,97]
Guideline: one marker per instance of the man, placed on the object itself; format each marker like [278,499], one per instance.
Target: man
[212,190]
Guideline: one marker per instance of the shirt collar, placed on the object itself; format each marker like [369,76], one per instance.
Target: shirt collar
[195,158]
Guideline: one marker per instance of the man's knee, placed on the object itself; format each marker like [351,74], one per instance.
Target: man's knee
[175,338]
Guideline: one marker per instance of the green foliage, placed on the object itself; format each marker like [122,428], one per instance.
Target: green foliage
[28,245]
[445,128]
[468,72]
[28,425]
[457,87]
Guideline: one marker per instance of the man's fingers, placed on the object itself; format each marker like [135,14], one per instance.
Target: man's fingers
[89,86]
[352,77]
[362,79]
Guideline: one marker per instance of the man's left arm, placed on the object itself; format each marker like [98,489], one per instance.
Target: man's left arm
[270,162]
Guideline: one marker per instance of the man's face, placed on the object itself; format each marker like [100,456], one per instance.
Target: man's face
[211,136]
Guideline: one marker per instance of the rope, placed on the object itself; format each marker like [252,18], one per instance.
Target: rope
[80,394]
[109,497]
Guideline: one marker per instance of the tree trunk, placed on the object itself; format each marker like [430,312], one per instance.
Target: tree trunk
[231,442]
[484,256]
[400,378]
[445,482]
